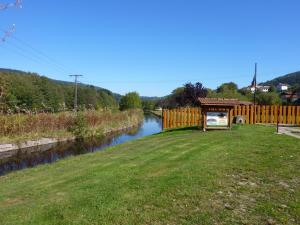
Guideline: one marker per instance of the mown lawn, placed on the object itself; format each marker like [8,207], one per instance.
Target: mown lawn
[249,175]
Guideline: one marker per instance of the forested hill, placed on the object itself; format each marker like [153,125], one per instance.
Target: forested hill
[32,91]
[292,79]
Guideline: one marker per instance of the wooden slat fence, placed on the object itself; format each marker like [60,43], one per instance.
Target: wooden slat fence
[188,117]
[181,117]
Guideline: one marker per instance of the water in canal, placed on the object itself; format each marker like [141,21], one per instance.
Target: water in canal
[46,154]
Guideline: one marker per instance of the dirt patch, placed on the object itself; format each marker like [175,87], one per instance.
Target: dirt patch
[12,201]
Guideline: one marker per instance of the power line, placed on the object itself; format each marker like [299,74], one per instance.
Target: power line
[36,57]
[41,53]
[29,52]
[24,54]
[170,81]
[19,53]
[76,91]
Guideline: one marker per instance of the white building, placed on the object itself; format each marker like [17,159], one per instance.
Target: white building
[282,87]
[261,88]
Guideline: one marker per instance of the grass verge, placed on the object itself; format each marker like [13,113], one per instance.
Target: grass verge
[249,175]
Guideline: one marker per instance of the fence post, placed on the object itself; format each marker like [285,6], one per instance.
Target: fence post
[284,115]
[293,115]
[163,119]
[258,114]
[267,114]
[251,114]
[263,114]
[298,115]
[278,113]
[289,121]
[272,114]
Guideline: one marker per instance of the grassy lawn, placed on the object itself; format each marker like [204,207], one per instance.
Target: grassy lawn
[249,175]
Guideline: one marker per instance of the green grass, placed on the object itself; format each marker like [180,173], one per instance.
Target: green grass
[249,175]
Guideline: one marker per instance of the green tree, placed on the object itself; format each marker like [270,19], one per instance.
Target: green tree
[131,100]
[272,88]
[270,98]
[31,91]
[148,105]
[227,87]
[2,89]
[228,90]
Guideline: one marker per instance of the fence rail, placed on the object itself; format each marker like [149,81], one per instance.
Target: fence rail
[188,117]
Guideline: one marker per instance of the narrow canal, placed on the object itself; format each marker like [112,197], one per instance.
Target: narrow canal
[32,157]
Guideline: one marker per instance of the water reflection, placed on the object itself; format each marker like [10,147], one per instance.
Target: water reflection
[50,153]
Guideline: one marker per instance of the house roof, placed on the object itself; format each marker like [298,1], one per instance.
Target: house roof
[218,102]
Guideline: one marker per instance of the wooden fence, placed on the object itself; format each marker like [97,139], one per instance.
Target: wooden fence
[188,117]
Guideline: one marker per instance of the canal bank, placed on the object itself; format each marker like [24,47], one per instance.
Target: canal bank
[21,158]
[44,144]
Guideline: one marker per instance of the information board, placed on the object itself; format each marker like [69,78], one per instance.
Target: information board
[217,119]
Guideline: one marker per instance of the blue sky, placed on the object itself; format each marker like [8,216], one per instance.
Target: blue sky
[153,46]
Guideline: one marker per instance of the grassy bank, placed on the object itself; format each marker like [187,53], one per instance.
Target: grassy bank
[156,112]
[249,175]
[20,127]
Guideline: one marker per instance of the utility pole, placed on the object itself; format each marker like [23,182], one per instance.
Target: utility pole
[255,74]
[76,90]
[254,83]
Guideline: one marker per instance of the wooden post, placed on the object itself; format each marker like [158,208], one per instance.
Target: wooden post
[199,116]
[278,115]
[193,116]
[247,115]
[284,115]
[164,119]
[272,114]
[293,121]
[189,116]
[171,118]
[289,121]
[276,108]
[267,114]
[298,115]
[229,118]
[204,120]
[263,114]
[258,114]
[251,114]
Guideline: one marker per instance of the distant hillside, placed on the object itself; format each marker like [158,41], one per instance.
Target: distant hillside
[291,79]
[145,98]
[32,91]
[116,95]
[12,71]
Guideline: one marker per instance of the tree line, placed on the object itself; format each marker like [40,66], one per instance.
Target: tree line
[188,95]
[21,91]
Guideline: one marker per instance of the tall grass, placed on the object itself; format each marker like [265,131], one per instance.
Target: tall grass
[45,124]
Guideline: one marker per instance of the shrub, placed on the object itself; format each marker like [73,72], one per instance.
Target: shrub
[80,126]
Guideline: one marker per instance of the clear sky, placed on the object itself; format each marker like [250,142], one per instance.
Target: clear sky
[153,46]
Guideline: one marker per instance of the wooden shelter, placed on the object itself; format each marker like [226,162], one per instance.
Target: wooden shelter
[216,112]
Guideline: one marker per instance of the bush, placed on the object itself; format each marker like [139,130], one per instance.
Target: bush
[80,126]
[131,100]
[271,98]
